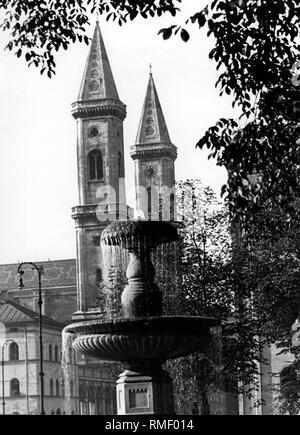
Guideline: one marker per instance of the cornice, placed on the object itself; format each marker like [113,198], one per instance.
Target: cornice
[88,213]
[153,150]
[93,108]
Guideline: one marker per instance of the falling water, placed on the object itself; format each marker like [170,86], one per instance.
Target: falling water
[116,247]
[69,374]
[165,260]
[115,264]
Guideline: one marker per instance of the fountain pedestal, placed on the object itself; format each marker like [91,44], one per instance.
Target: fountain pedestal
[145,391]
[143,338]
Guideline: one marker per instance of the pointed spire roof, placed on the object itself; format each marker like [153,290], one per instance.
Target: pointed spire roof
[152,127]
[97,82]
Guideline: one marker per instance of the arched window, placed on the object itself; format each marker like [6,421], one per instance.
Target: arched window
[82,393]
[120,165]
[91,400]
[114,400]
[172,207]
[100,401]
[57,387]
[50,352]
[72,413]
[13,352]
[51,385]
[63,388]
[14,387]
[108,400]
[83,405]
[58,411]
[95,165]
[56,353]
[71,388]
[52,413]
[98,276]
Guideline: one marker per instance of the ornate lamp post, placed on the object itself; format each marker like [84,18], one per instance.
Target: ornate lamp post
[2,364]
[40,272]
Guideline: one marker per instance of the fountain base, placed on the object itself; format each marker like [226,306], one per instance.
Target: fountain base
[145,391]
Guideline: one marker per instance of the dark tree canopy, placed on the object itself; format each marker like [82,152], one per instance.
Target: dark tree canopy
[39,29]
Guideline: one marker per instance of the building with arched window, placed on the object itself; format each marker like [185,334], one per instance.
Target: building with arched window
[19,331]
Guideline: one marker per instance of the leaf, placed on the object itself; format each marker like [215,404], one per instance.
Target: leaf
[167,32]
[184,35]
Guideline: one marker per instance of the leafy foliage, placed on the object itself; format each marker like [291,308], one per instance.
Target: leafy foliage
[289,398]
[257,52]
[270,250]
[39,29]
[212,286]
[273,272]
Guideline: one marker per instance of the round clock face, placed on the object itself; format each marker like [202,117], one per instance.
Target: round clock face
[93,131]
[150,171]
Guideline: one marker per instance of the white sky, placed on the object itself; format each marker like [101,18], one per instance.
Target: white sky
[38,173]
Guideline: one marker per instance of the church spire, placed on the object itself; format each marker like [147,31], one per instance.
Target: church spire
[97,82]
[152,127]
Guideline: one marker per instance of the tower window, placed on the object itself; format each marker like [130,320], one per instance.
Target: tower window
[172,207]
[95,165]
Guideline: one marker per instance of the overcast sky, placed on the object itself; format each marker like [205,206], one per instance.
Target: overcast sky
[38,172]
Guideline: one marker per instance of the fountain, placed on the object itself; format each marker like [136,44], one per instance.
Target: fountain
[142,338]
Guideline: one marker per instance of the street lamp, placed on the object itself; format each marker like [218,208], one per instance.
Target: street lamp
[2,363]
[40,271]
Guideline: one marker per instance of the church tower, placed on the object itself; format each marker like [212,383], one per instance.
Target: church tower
[154,156]
[99,115]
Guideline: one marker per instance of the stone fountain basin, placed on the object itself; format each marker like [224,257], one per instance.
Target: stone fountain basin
[135,234]
[151,338]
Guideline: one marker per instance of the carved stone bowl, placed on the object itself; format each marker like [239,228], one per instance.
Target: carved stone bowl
[152,338]
[133,234]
